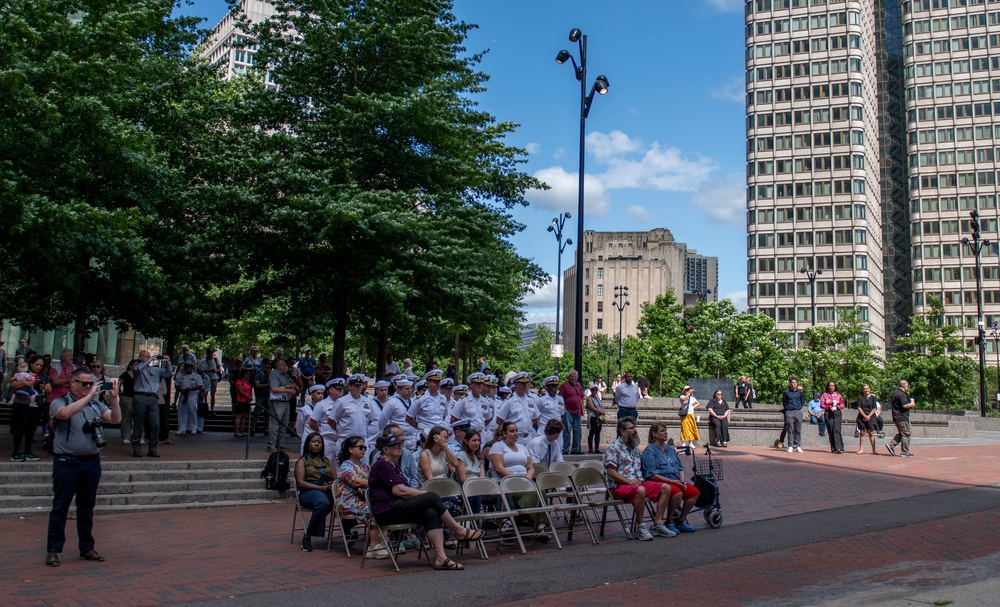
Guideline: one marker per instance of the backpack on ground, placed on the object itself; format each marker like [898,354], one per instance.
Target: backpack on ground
[275,472]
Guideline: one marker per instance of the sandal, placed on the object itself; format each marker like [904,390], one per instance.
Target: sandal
[473,535]
[450,545]
[448,565]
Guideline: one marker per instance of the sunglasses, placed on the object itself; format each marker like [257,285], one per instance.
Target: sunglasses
[362,447]
[85,384]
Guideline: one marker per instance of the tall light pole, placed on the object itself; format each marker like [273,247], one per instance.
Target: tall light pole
[995,334]
[621,300]
[557,227]
[977,245]
[601,87]
[812,289]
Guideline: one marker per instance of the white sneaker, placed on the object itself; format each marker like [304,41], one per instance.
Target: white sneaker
[142,442]
[126,441]
[790,449]
[378,552]
[642,533]
[799,449]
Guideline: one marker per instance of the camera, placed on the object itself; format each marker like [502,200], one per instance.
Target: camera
[96,428]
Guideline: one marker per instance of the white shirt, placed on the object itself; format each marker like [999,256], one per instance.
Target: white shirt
[394,412]
[544,452]
[430,410]
[302,422]
[549,407]
[321,415]
[351,415]
[522,411]
[473,409]
[516,462]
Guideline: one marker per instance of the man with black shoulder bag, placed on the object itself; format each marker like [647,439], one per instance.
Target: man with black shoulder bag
[78,420]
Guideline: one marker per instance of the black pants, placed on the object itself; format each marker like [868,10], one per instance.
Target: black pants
[23,425]
[721,427]
[73,477]
[424,510]
[594,435]
[834,429]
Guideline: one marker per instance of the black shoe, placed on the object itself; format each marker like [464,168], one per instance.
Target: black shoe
[891,449]
[90,555]
[576,452]
[136,454]
[52,559]
[907,454]
[31,457]
[153,454]
[307,545]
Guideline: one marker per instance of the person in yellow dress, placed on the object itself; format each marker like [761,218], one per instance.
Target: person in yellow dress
[689,423]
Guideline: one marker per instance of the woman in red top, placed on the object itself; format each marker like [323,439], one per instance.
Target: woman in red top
[833,403]
[244,396]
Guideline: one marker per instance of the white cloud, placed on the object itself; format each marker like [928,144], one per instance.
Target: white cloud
[533,148]
[739,299]
[733,90]
[605,146]
[537,317]
[723,200]
[559,153]
[726,6]
[544,297]
[638,213]
[564,189]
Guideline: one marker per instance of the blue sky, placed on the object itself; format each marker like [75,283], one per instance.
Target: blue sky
[665,146]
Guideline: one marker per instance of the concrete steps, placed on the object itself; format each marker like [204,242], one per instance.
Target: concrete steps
[26,489]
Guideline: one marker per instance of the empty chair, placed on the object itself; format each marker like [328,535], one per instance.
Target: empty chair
[557,490]
[449,488]
[566,468]
[512,486]
[593,491]
[487,487]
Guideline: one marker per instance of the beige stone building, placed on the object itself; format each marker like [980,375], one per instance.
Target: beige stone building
[648,263]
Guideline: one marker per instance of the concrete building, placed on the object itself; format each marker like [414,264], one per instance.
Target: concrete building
[530,331]
[228,46]
[648,263]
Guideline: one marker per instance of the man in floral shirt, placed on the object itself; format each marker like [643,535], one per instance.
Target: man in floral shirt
[624,474]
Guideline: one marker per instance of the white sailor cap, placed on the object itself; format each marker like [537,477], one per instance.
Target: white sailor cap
[476,377]
[447,382]
[357,380]
[382,384]
[521,378]
[504,390]
[336,382]
[552,379]
[316,388]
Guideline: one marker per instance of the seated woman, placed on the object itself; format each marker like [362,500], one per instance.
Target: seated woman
[471,465]
[393,501]
[314,479]
[718,416]
[508,458]
[353,480]
[436,459]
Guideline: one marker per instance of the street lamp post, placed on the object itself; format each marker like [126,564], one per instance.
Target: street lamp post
[600,87]
[703,294]
[976,244]
[995,334]
[621,300]
[811,276]
[557,227]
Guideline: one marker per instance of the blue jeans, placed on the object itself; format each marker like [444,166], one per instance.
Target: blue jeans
[624,412]
[573,426]
[73,477]
[319,503]
[819,421]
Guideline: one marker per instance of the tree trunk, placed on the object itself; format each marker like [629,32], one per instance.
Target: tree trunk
[80,330]
[363,363]
[339,338]
[381,350]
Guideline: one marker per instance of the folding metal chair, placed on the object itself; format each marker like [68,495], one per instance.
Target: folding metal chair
[512,486]
[566,468]
[384,532]
[487,487]
[445,488]
[592,490]
[337,521]
[299,522]
[557,486]
[591,463]
[539,468]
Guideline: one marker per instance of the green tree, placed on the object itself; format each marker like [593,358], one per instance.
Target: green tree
[931,358]
[839,353]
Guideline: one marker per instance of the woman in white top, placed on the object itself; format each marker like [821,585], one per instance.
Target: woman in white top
[507,458]
[471,465]
[689,423]
[436,459]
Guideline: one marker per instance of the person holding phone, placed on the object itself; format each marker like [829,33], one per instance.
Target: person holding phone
[147,374]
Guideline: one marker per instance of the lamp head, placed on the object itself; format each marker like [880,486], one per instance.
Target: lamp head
[802,270]
[569,241]
[562,56]
[965,241]
[567,215]
[552,229]
[601,85]
[575,34]
[819,271]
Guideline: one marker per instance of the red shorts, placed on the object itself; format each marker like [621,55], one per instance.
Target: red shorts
[627,492]
[689,491]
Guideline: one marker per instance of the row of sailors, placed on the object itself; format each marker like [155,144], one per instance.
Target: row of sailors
[336,415]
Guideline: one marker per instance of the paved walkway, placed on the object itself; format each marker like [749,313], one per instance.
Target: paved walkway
[781,510]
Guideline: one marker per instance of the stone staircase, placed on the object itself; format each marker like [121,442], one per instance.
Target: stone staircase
[139,486]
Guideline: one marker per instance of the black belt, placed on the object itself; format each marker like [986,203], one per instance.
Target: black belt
[146,393]
[82,458]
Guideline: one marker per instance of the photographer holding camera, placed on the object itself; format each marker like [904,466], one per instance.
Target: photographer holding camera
[77,425]
[148,372]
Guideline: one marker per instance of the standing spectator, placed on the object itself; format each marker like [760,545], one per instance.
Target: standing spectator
[351,413]
[253,361]
[127,391]
[791,404]
[833,405]
[627,398]
[323,371]
[262,396]
[186,356]
[303,428]
[80,360]
[572,394]
[76,467]
[601,386]
[391,366]
[550,405]
[431,409]
[616,383]
[61,375]
[395,411]
[26,406]
[817,414]
[624,477]
[482,364]
[146,403]
[451,371]
[689,422]
[901,417]
[520,409]
[321,416]
[188,385]
[282,392]
[22,348]
[742,393]
[595,406]
[718,415]
[241,404]
[307,368]
[210,367]
[867,411]
[474,406]
[751,393]
[408,368]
